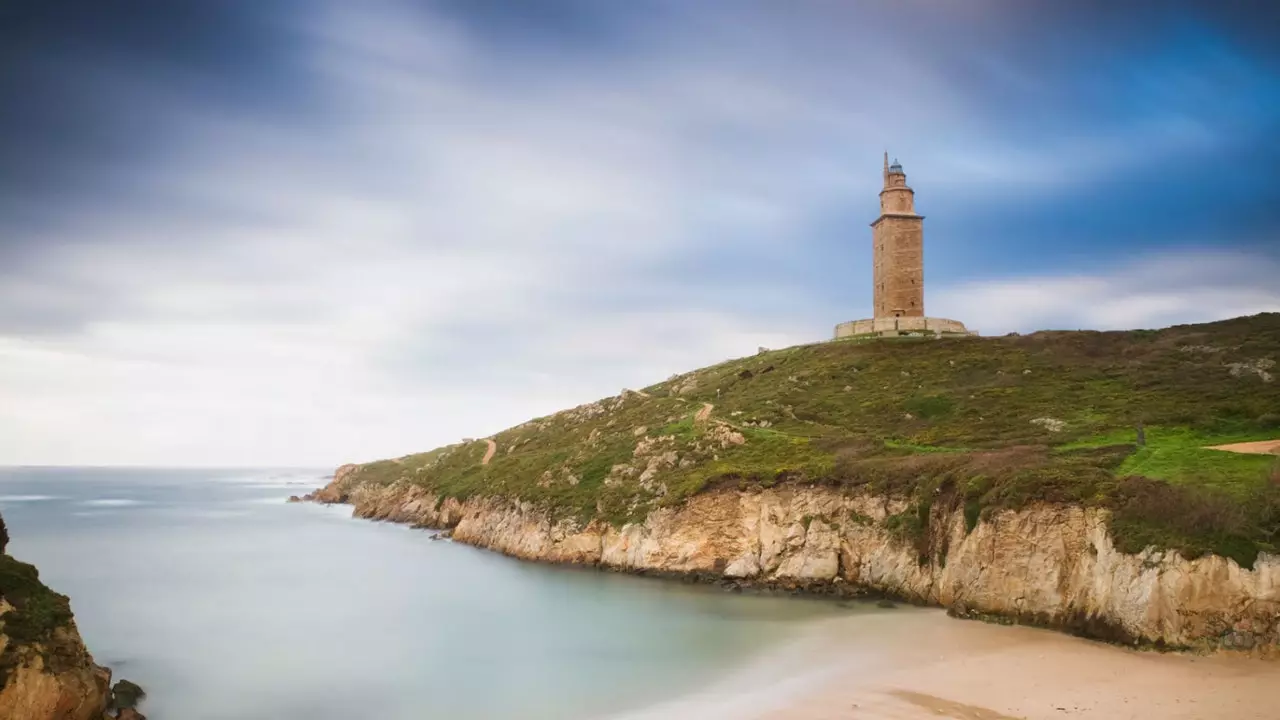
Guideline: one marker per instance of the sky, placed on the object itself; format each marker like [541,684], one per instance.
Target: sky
[305,233]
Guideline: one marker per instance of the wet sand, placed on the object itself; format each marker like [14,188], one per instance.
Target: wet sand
[932,666]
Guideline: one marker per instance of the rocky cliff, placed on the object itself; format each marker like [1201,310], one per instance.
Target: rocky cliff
[1048,565]
[45,671]
[1072,479]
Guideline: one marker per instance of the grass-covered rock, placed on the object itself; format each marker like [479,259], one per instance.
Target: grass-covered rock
[45,670]
[1120,420]
[32,617]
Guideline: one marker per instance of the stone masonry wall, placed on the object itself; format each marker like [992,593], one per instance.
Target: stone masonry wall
[905,324]
[899,281]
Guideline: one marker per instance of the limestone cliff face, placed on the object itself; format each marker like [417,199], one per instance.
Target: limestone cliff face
[68,686]
[1051,565]
[45,671]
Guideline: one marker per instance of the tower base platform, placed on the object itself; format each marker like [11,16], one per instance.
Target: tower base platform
[902,327]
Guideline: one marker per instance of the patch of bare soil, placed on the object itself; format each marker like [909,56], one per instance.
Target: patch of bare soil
[1260,447]
[704,412]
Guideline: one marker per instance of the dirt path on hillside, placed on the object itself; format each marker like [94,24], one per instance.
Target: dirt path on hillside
[704,413]
[488,454]
[1260,447]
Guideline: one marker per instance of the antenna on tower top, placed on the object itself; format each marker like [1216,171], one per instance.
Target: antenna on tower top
[886,167]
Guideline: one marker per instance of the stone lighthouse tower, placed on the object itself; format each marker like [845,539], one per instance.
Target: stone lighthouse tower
[897,239]
[897,259]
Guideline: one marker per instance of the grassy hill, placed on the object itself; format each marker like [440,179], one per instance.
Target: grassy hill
[983,423]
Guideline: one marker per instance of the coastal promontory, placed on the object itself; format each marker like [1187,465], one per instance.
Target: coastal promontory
[1118,485]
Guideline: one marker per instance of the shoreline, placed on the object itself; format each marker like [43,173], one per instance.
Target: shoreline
[790,540]
[914,662]
[772,681]
[919,664]
[934,667]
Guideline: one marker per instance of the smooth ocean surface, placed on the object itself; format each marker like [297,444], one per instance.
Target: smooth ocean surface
[226,603]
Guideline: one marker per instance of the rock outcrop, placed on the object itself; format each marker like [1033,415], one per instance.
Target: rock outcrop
[45,671]
[125,696]
[1049,565]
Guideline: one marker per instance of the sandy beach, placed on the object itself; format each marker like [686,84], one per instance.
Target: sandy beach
[933,666]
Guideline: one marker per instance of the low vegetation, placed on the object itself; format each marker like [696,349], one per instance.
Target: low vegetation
[1119,420]
[35,612]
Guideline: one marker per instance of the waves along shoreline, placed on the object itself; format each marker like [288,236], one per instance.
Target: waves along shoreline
[1048,565]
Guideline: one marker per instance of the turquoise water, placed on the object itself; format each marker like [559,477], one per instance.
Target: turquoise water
[226,603]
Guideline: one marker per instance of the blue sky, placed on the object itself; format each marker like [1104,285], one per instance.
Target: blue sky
[313,232]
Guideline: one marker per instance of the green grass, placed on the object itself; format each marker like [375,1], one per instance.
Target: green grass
[37,612]
[979,424]
[1234,472]
[766,458]
[1182,456]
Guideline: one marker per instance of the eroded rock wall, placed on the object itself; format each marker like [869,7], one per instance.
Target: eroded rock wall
[46,674]
[1051,565]
[71,688]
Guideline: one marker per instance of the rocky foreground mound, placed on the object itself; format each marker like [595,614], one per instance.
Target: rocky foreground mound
[46,673]
[1061,478]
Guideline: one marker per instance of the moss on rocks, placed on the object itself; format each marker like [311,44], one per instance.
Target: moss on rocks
[34,618]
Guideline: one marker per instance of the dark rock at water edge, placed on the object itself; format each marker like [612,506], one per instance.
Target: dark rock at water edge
[126,696]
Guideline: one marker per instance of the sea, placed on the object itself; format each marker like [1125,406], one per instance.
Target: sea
[225,602]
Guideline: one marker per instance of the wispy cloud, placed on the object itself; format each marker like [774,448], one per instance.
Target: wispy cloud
[445,233]
[1146,292]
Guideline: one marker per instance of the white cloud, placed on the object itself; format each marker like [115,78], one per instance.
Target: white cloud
[446,250]
[1150,292]
[444,257]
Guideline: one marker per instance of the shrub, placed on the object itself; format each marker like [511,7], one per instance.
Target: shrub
[1193,520]
[37,610]
[930,407]
[972,513]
